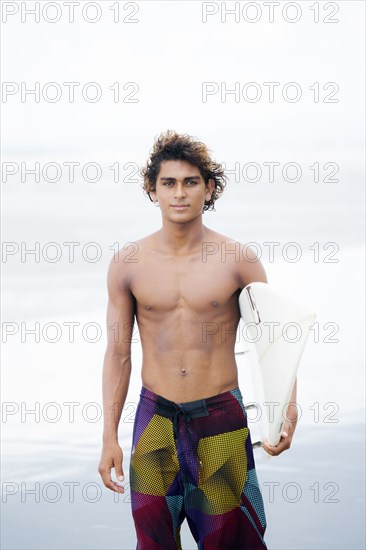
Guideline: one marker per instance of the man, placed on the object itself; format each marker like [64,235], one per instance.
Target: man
[191,454]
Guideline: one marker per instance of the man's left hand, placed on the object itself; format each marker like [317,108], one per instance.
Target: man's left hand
[283,444]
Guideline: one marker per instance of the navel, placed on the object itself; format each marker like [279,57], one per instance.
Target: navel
[148,307]
[183,371]
[214,303]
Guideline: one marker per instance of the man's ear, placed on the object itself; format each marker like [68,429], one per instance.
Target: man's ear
[209,188]
[152,195]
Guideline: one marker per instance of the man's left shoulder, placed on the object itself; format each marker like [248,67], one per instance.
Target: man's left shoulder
[220,239]
[244,259]
[242,251]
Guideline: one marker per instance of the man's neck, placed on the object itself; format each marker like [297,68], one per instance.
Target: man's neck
[181,239]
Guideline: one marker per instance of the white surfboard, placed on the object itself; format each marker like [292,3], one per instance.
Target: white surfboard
[279,328]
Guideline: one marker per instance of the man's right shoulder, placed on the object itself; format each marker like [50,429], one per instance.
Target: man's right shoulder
[126,259]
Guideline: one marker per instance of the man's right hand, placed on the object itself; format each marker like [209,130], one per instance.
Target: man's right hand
[111,457]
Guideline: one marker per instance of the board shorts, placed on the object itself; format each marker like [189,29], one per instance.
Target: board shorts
[195,460]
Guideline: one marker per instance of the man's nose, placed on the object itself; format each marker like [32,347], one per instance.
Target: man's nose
[179,190]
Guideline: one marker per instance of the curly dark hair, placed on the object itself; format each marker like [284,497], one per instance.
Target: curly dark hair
[173,146]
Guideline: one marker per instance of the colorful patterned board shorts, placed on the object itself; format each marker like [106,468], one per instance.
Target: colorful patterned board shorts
[195,460]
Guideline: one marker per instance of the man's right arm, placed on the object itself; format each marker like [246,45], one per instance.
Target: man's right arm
[117,364]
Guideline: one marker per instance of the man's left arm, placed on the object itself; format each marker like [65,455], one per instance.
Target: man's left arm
[288,428]
[252,270]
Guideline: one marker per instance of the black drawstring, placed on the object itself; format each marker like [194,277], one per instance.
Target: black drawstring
[187,418]
[193,409]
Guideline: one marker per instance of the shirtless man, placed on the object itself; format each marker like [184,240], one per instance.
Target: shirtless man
[191,453]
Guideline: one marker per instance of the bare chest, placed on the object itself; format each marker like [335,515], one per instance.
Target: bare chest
[167,284]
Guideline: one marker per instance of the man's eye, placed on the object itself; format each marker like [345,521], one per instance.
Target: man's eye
[192,181]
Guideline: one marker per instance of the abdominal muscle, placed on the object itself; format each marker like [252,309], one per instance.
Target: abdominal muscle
[189,367]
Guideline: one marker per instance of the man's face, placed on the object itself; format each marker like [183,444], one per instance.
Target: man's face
[181,190]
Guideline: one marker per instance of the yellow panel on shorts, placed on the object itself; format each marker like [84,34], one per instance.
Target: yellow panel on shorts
[154,460]
[223,472]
